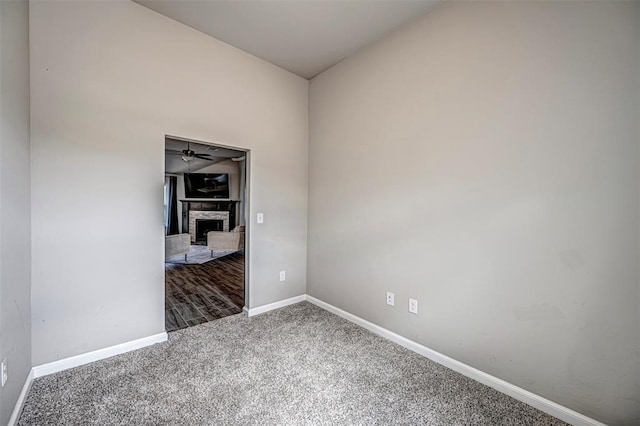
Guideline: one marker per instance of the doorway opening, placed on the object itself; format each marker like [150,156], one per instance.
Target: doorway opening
[205,206]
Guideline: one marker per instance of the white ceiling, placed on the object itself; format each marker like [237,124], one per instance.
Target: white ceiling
[303,36]
[173,162]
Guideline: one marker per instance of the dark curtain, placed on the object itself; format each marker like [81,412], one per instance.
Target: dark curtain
[173,206]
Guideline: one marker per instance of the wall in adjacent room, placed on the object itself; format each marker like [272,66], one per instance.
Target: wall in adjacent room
[227,166]
[109,81]
[230,167]
[484,160]
[15,216]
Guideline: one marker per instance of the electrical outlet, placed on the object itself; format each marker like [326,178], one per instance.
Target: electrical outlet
[390,298]
[5,373]
[283,275]
[260,217]
[413,306]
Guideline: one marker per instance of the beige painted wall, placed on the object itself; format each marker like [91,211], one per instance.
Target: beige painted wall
[109,81]
[484,160]
[15,227]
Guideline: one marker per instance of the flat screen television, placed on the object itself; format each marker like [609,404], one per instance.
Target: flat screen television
[206,185]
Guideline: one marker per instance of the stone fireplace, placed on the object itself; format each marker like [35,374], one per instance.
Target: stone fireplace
[206,216]
[219,215]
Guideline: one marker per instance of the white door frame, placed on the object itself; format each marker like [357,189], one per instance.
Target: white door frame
[247,203]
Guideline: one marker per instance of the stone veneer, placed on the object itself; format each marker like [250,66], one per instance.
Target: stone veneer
[193,215]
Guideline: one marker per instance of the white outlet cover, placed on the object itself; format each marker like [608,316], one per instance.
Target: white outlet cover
[413,306]
[390,298]
[283,275]
[5,374]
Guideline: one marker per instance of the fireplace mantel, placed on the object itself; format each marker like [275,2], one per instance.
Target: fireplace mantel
[207,205]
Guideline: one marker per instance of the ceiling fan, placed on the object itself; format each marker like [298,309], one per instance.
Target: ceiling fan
[188,155]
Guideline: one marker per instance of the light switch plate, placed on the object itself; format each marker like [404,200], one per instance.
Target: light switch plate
[260,217]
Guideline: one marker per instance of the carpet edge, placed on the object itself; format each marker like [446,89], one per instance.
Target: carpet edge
[543,404]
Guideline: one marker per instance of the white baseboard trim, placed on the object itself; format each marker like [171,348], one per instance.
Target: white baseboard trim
[75,361]
[563,413]
[536,401]
[275,305]
[21,398]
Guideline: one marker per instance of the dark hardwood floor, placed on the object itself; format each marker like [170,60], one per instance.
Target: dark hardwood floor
[195,294]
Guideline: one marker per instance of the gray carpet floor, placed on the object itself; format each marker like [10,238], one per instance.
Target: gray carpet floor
[298,365]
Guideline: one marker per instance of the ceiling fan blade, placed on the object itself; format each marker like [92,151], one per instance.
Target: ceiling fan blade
[204,155]
[200,156]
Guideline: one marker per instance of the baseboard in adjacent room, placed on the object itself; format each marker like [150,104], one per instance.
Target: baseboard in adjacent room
[563,413]
[275,305]
[75,361]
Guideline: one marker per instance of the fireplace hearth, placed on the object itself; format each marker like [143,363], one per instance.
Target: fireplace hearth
[203,226]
